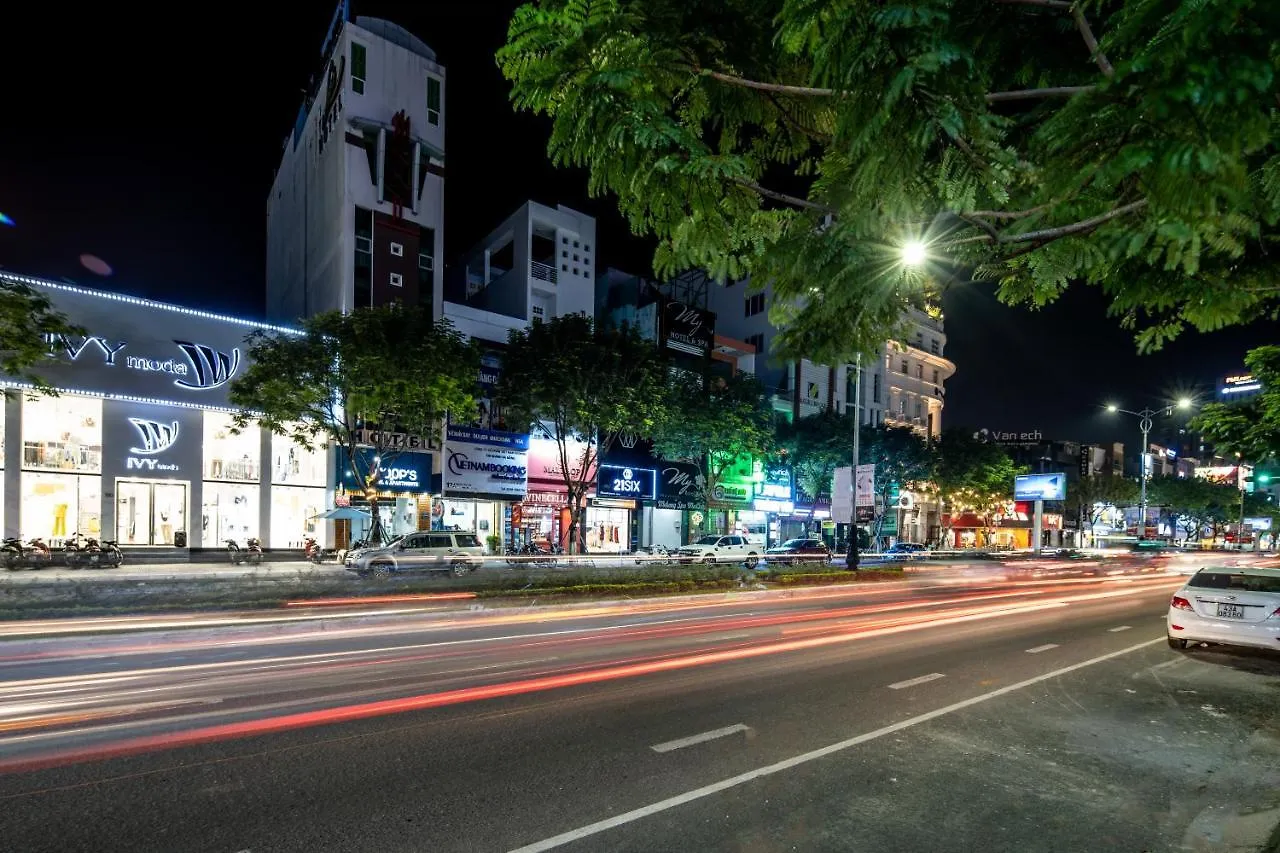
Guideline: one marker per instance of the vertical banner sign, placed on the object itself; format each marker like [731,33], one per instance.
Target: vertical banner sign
[865,489]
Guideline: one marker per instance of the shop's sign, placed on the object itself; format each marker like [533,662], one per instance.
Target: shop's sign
[394,440]
[487,464]
[777,483]
[618,481]
[204,367]
[687,329]
[612,503]
[545,465]
[397,472]
[682,486]
[732,492]
[153,437]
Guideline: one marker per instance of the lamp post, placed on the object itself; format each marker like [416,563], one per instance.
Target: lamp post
[851,552]
[1145,423]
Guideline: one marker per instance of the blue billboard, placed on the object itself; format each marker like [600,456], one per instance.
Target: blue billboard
[403,471]
[1040,487]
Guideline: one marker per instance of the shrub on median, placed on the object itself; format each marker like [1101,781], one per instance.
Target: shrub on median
[815,578]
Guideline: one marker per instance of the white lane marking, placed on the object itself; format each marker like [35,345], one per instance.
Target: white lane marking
[1118,629]
[795,761]
[1035,650]
[912,682]
[681,743]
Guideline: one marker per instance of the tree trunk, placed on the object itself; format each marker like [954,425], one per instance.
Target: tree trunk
[377,533]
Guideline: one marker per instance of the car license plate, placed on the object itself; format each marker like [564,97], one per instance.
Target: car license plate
[1230,611]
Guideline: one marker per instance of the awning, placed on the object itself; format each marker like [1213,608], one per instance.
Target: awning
[344,513]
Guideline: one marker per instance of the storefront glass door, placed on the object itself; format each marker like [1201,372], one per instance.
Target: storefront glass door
[150,513]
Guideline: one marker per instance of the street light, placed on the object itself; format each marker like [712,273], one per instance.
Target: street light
[1145,423]
[913,253]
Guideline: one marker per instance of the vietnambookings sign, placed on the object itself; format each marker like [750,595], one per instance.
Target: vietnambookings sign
[485,464]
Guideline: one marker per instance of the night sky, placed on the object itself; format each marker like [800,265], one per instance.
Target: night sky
[154,150]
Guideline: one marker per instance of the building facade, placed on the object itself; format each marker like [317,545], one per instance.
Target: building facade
[356,212]
[138,445]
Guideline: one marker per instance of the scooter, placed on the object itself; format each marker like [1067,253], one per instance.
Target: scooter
[104,555]
[312,552]
[250,553]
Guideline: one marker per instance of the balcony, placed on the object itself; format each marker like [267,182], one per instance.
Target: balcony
[542,272]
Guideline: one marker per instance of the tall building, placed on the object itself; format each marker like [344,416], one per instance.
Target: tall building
[905,386]
[355,215]
[538,264]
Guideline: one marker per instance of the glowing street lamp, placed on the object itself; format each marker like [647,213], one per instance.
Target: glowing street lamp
[1145,423]
[913,253]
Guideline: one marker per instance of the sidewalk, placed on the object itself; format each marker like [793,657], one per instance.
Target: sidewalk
[169,571]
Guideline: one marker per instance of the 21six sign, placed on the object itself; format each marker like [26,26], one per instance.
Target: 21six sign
[619,481]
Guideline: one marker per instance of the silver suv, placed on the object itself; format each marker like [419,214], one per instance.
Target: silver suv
[435,551]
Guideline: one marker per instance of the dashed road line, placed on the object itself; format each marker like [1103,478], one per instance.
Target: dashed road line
[691,740]
[1118,629]
[1035,650]
[912,682]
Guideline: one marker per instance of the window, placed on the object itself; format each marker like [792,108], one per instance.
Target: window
[575,244]
[364,258]
[293,513]
[754,304]
[62,434]
[426,257]
[586,247]
[902,406]
[919,371]
[228,456]
[564,268]
[935,376]
[919,409]
[357,68]
[756,341]
[229,511]
[576,259]
[439,540]
[564,240]
[433,101]
[538,313]
[903,370]
[933,346]
[54,506]
[575,270]
[397,280]
[294,465]
[397,250]
[564,254]
[875,387]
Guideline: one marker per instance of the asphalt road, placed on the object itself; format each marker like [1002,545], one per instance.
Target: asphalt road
[965,715]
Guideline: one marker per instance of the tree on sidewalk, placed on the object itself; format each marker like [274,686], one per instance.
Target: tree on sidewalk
[1248,427]
[1089,497]
[32,333]
[716,422]
[1126,144]
[815,446]
[586,385]
[970,475]
[902,458]
[357,380]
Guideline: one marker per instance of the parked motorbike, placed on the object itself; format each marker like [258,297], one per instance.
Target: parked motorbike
[103,555]
[654,554]
[251,552]
[13,553]
[531,552]
[311,551]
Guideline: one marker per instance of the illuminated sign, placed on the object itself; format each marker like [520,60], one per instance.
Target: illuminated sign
[1040,487]
[618,481]
[735,492]
[206,366]
[156,437]
[1240,384]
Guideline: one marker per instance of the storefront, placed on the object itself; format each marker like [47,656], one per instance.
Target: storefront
[138,446]
[545,510]
[403,495]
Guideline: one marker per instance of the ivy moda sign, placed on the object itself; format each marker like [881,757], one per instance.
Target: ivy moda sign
[199,367]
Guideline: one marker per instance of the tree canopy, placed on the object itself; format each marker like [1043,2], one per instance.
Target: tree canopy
[589,385]
[1128,144]
[357,379]
[716,421]
[27,321]
[1248,427]
[816,445]
[1089,496]
[971,474]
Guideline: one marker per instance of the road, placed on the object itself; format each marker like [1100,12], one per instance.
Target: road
[928,715]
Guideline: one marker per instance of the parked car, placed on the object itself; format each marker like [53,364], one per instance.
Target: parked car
[795,551]
[721,549]
[437,551]
[1231,605]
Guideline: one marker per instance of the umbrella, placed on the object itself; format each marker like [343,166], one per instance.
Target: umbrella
[345,513]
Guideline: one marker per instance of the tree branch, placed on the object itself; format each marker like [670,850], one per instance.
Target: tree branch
[1082,24]
[1005,214]
[778,88]
[1049,234]
[794,201]
[1031,94]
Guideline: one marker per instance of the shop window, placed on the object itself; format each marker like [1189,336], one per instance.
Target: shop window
[56,506]
[294,465]
[150,513]
[228,456]
[230,511]
[293,516]
[62,434]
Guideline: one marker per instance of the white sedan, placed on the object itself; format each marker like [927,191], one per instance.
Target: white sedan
[1231,605]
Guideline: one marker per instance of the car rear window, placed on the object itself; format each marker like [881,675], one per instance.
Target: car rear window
[1247,582]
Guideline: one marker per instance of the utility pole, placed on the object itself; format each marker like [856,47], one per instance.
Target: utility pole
[851,557]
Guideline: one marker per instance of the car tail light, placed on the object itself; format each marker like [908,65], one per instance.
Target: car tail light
[1180,603]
